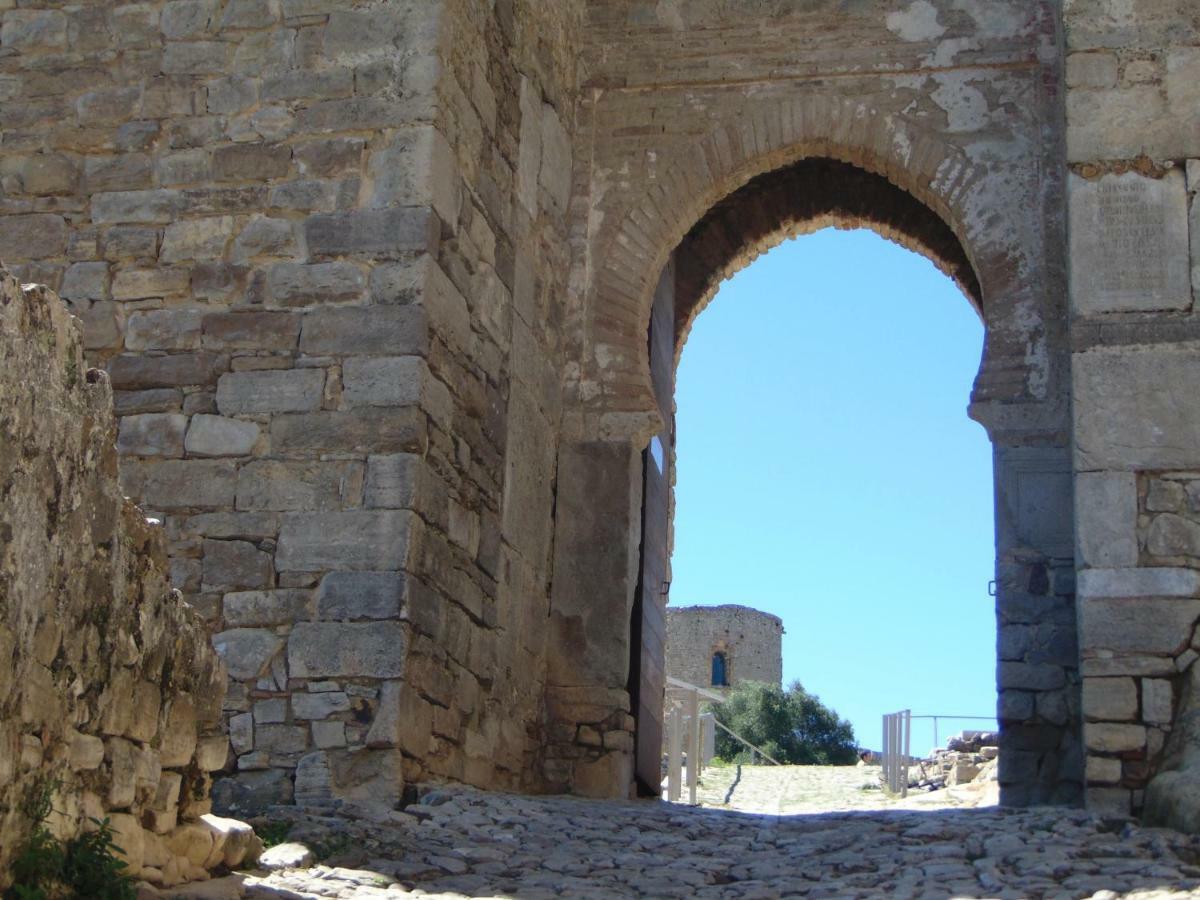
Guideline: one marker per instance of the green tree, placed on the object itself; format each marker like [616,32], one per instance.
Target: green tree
[793,726]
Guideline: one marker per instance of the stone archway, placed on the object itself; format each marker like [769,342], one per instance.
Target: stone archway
[781,169]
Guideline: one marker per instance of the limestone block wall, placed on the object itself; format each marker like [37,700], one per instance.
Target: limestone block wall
[318,247]
[110,695]
[1133,101]
[497,334]
[242,199]
[751,640]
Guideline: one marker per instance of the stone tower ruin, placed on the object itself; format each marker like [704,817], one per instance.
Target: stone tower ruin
[390,295]
[719,647]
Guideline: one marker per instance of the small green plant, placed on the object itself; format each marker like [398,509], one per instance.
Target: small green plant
[84,868]
[331,846]
[273,833]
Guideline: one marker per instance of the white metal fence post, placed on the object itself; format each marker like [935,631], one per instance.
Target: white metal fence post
[693,765]
[674,751]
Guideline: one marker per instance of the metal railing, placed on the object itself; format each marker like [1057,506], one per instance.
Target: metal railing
[690,728]
[897,744]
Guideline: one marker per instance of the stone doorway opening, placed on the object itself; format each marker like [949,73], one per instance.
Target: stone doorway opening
[1036,655]
[827,474]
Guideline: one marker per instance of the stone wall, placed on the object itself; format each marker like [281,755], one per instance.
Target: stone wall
[318,246]
[110,695]
[1132,146]
[372,283]
[751,640]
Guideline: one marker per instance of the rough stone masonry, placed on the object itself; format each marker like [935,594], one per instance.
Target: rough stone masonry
[110,694]
[374,282]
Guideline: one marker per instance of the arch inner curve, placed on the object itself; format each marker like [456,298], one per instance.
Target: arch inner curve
[800,199]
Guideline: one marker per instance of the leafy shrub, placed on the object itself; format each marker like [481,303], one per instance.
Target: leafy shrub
[792,726]
[84,868]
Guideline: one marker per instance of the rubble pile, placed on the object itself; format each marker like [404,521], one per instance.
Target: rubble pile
[969,756]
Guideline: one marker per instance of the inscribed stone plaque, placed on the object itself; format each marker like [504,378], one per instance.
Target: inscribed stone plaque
[1129,244]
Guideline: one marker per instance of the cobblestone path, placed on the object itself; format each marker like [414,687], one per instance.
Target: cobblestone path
[463,843]
[790,790]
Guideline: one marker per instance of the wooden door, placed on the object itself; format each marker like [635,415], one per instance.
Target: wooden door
[648,631]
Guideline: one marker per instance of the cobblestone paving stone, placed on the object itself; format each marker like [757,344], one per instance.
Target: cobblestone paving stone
[463,843]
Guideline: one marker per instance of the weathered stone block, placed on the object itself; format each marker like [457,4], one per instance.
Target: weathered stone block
[235,526]
[187,18]
[248,14]
[152,434]
[231,565]
[294,285]
[265,237]
[281,738]
[356,431]
[127,172]
[179,735]
[312,542]
[1164,496]
[1158,701]
[196,239]
[1106,519]
[1171,535]
[247,609]
[303,84]
[85,281]
[383,381]
[251,330]
[329,735]
[173,484]
[130,242]
[220,436]
[329,157]
[1110,699]
[163,329]
[391,481]
[1148,582]
[361,595]
[251,162]
[375,232]
[137,206]
[554,177]
[287,390]
[1091,70]
[1143,626]
[1129,243]
[1107,737]
[196,58]
[1030,676]
[247,653]
[49,173]
[270,712]
[319,706]
[372,330]
[33,29]
[293,486]
[35,236]
[1103,770]
[367,650]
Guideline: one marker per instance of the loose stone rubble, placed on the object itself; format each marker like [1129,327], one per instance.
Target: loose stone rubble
[971,756]
[110,693]
[463,843]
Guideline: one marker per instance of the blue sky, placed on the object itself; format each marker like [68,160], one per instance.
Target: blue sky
[828,473]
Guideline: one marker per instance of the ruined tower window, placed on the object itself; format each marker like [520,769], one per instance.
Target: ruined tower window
[720,670]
